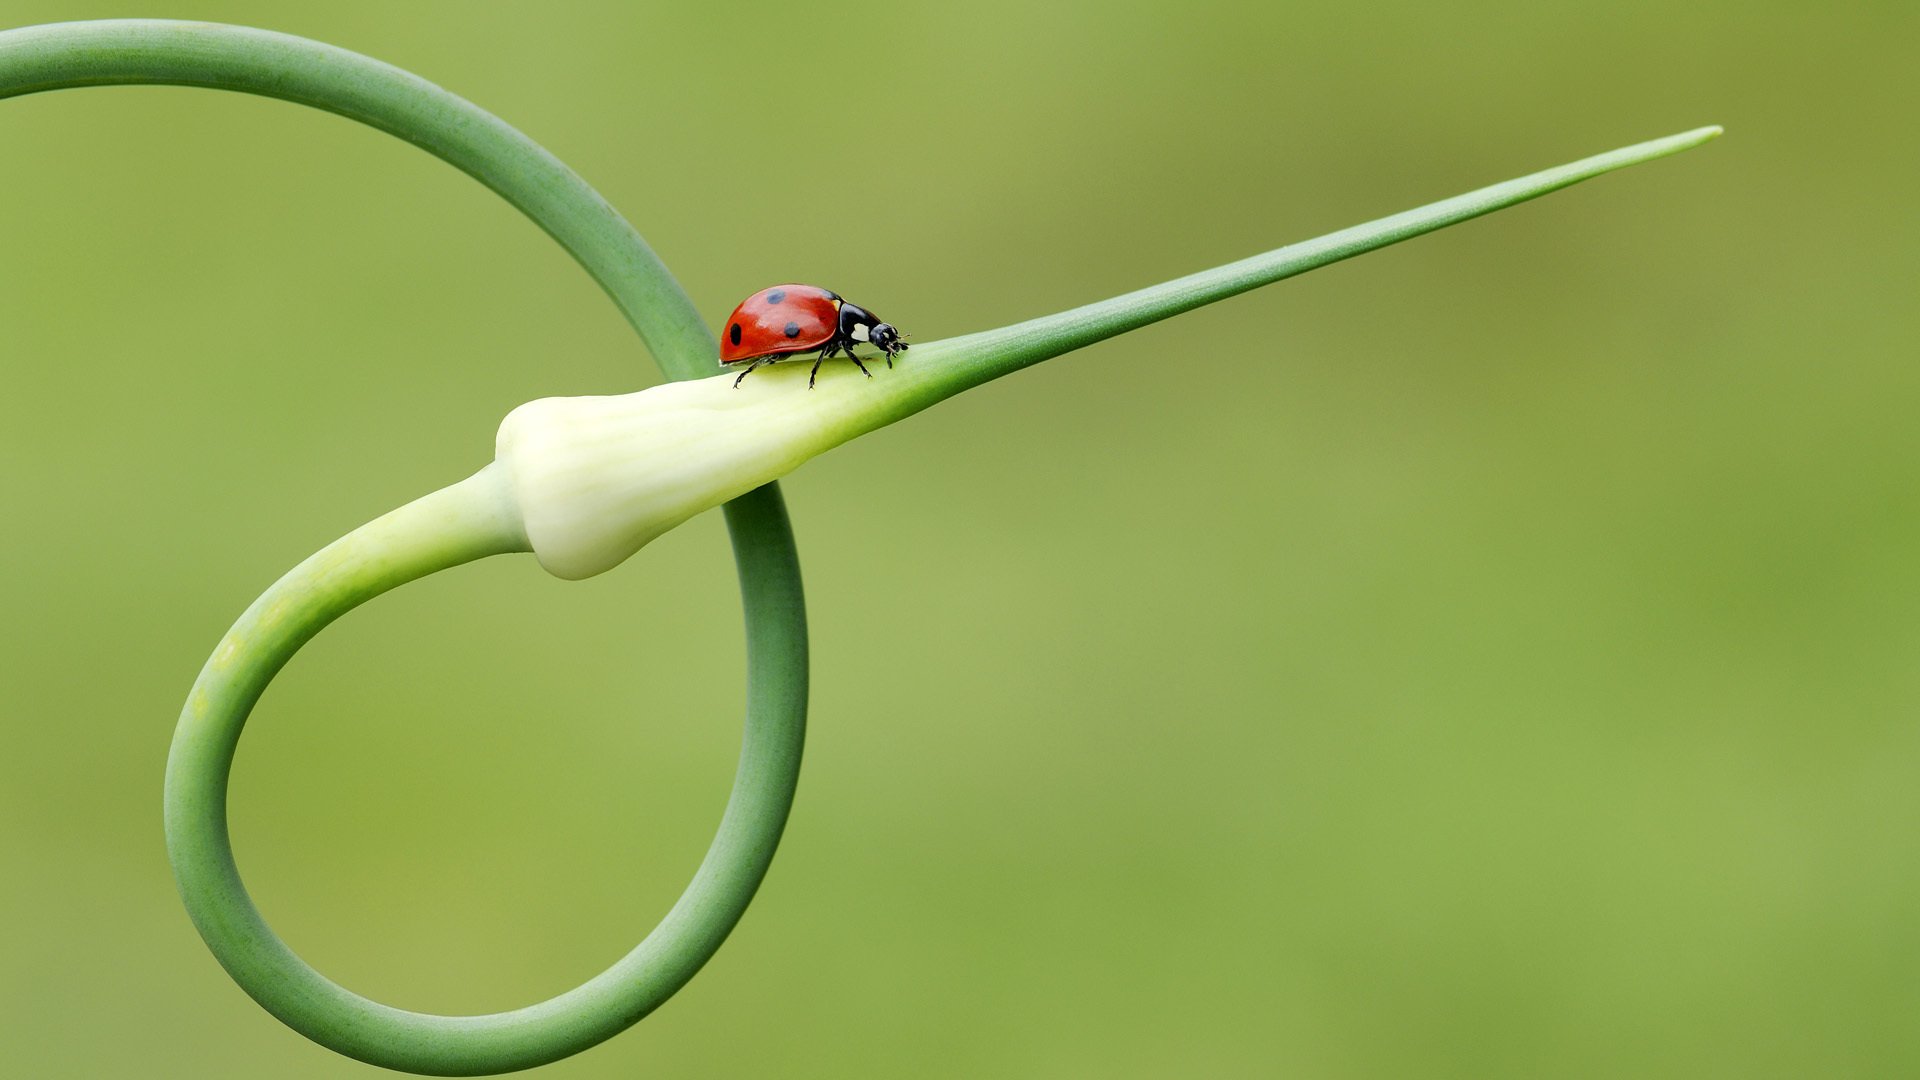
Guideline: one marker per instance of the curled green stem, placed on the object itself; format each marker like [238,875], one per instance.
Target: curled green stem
[467,521]
[442,530]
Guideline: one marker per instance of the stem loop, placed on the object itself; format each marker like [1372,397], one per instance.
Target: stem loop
[453,526]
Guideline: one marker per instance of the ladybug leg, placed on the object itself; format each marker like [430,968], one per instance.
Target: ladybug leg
[830,349]
[858,364]
[749,371]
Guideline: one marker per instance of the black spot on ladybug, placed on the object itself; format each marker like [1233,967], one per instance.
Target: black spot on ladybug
[793,329]
[733,335]
[776,296]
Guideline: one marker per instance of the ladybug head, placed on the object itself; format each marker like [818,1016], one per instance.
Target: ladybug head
[886,338]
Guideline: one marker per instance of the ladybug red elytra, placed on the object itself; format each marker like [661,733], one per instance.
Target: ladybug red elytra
[776,322]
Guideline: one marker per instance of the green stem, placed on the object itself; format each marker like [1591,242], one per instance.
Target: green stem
[442,530]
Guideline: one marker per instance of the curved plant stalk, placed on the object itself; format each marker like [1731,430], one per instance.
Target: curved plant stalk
[584,482]
[130,52]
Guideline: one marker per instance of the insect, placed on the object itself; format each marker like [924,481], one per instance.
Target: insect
[777,322]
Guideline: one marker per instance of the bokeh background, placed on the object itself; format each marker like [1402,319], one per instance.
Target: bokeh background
[1498,656]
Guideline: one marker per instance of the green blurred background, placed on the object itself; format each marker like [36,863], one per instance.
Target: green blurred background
[1495,657]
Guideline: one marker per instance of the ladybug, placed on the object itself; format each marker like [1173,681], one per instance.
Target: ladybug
[776,322]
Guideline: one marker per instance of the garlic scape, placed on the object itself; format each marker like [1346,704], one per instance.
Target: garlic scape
[584,482]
